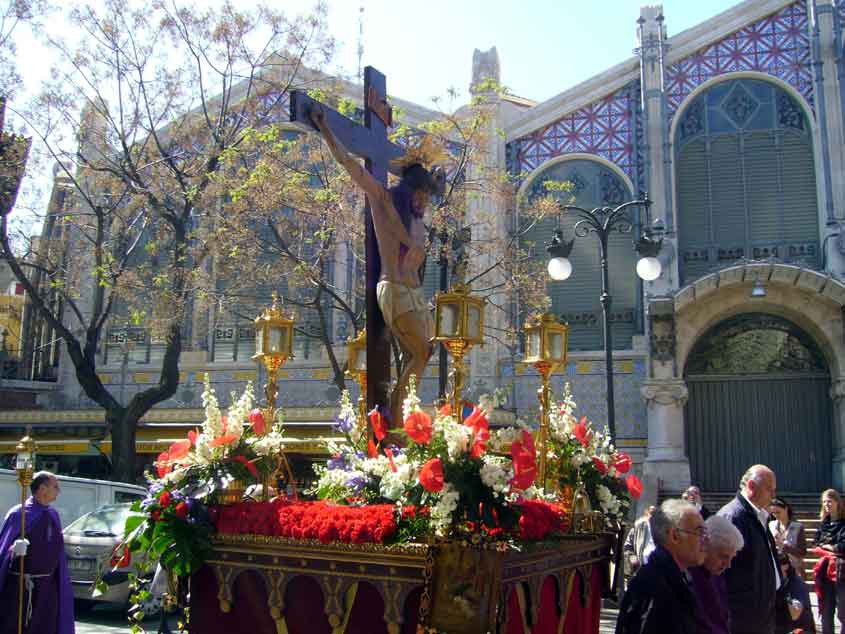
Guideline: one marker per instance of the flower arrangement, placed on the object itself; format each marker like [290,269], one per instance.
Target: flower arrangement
[455,469]
[174,522]
[578,454]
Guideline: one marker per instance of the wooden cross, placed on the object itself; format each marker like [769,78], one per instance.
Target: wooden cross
[370,143]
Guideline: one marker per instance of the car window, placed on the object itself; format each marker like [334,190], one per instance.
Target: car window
[108,519]
[127,496]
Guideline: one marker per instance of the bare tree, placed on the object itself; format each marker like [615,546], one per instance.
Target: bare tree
[166,92]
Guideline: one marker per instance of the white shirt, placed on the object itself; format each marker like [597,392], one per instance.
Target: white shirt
[763,516]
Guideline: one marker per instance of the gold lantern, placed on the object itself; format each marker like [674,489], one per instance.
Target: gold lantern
[458,325]
[356,367]
[273,345]
[25,466]
[546,345]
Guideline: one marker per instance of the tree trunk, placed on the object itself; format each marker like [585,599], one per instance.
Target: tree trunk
[123,425]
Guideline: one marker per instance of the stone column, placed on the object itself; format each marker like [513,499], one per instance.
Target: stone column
[666,460]
[837,395]
[487,214]
[658,151]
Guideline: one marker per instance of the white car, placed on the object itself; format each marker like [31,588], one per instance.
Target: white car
[90,544]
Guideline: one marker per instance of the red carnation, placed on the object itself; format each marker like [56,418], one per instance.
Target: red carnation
[372,452]
[635,486]
[524,458]
[623,462]
[602,468]
[259,425]
[181,510]
[431,476]
[155,515]
[418,427]
[582,433]
[378,423]
[164,499]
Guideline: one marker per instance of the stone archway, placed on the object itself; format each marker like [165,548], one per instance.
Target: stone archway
[758,390]
[810,300]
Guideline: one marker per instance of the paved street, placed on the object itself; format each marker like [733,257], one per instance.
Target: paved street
[107,620]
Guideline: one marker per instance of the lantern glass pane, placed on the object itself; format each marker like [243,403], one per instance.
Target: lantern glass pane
[24,461]
[259,340]
[532,344]
[448,326]
[359,361]
[276,342]
[474,322]
[555,341]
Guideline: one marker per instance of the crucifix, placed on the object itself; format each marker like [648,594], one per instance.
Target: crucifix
[395,234]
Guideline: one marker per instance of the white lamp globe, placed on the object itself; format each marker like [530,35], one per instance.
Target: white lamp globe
[649,269]
[560,269]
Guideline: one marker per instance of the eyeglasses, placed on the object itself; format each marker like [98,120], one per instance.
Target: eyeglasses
[700,532]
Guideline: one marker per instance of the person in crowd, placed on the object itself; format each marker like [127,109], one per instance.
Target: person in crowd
[829,572]
[793,612]
[48,599]
[639,543]
[693,495]
[708,582]
[659,595]
[754,577]
[789,534]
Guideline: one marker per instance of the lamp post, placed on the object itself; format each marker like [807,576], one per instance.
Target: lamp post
[546,343]
[458,325]
[24,465]
[356,365]
[602,221]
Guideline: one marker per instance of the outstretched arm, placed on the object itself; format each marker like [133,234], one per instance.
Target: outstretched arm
[384,216]
[362,177]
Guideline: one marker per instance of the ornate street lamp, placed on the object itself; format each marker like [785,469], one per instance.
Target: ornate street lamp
[273,346]
[546,344]
[25,466]
[356,367]
[602,221]
[458,325]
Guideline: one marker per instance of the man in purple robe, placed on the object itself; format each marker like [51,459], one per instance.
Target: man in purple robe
[48,595]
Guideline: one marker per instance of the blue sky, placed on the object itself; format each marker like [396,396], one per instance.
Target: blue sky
[545,46]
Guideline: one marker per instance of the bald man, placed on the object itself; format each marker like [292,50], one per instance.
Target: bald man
[754,576]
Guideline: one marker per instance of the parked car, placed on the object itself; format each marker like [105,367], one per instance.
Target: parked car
[78,495]
[91,546]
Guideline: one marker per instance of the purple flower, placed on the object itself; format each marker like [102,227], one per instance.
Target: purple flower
[147,503]
[356,483]
[345,423]
[156,487]
[337,462]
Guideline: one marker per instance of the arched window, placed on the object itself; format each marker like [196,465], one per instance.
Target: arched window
[576,299]
[746,181]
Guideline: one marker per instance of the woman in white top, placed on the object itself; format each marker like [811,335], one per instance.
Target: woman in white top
[789,534]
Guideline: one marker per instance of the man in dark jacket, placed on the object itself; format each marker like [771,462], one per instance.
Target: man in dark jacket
[753,578]
[659,598]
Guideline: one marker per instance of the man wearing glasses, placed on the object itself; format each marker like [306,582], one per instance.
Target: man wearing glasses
[659,596]
[754,577]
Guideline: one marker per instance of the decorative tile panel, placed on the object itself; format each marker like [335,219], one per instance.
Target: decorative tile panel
[605,128]
[777,45]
